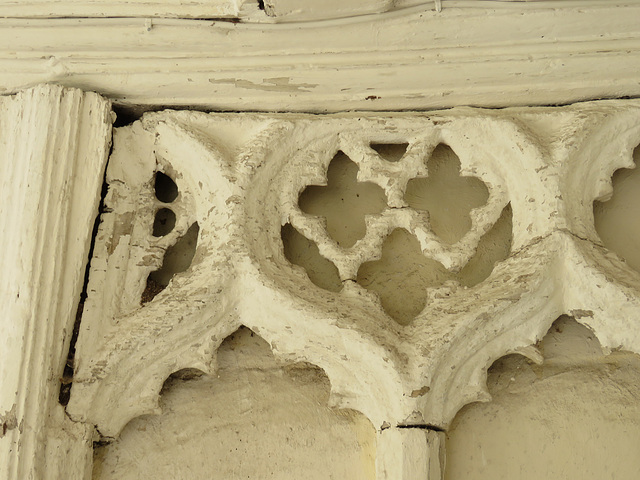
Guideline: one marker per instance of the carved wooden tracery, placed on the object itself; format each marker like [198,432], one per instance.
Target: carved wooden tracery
[239,178]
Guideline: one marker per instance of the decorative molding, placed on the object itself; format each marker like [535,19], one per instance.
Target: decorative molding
[219,9]
[491,54]
[253,11]
[53,150]
[270,11]
[239,177]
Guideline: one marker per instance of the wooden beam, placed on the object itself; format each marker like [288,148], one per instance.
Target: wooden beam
[491,55]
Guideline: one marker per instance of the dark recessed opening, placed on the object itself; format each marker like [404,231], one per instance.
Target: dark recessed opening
[391,152]
[177,259]
[164,222]
[165,188]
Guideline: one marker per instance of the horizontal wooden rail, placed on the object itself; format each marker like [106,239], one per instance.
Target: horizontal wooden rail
[411,59]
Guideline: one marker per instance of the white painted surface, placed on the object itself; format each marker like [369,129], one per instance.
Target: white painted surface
[493,54]
[240,177]
[574,416]
[54,144]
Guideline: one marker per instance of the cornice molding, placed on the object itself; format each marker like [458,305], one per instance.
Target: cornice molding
[494,54]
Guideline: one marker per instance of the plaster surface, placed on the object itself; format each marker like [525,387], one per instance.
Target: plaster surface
[614,217]
[253,419]
[576,415]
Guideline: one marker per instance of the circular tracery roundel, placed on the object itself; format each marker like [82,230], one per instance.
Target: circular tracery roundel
[398,218]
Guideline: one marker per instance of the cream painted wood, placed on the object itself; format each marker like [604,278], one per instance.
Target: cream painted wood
[269,11]
[491,54]
[239,177]
[220,9]
[53,149]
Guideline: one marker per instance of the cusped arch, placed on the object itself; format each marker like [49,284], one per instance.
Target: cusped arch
[570,414]
[251,407]
[603,144]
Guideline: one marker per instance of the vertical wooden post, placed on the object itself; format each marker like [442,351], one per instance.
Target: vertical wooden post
[54,144]
[410,454]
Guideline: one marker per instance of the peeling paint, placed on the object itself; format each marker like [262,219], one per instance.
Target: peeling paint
[579,313]
[8,421]
[421,391]
[276,84]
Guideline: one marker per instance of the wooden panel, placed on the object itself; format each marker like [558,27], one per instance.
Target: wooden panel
[259,11]
[121,8]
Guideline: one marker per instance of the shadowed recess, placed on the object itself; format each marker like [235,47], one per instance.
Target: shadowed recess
[253,419]
[344,202]
[493,247]
[391,152]
[177,259]
[576,416]
[447,196]
[403,276]
[165,188]
[163,222]
[301,251]
[126,114]
[616,220]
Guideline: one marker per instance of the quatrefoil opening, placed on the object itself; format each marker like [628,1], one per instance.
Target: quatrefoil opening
[402,274]
[446,195]
[404,277]
[344,201]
